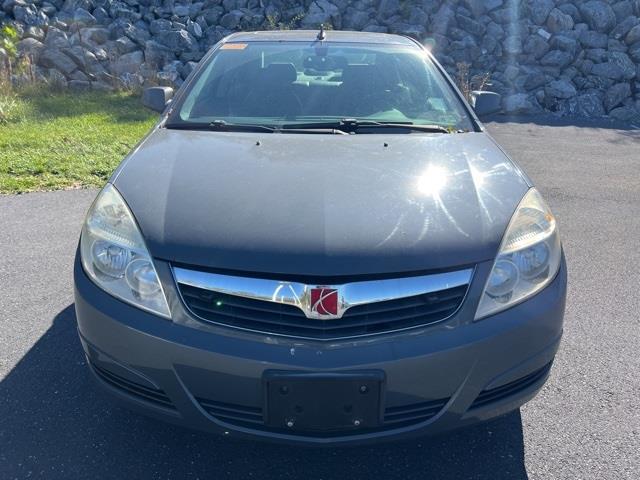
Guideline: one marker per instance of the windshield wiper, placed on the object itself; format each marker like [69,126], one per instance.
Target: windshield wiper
[224,126]
[220,125]
[353,125]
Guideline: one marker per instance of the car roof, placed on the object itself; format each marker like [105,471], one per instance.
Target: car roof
[311,35]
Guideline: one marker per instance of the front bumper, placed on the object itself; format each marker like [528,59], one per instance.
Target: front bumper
[208,377]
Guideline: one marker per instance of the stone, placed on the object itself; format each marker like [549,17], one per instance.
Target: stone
[571,10]
[56,38]
[79,85]
[56,79]
[590,105]
[186,69]
[599,15]
[232,19]
[53,58]
[494,30]
[615,95]
[557,58]
[95,35]
[178,40]
[513,45]
[591,39]
[623,61]
[181,10]
[357,20]
[77,54]
[128,63]
[387,8]
[560,89]
[625,114]
[511,72]
[125,45]
[539,10]
[633,36]
[34,32]
[324,12]
[443,18]
[597,55]
[83,17]
[194,29]
[470,25]
[137,33]
[634,52]
[566,44]
[536,45]
[78,75]
[558,21]
[518,103]
[30,47]
[212,15]
[534,80]
[622,10]
[101,86]
[156,54]
[101,15]
[623,28]
[607,70]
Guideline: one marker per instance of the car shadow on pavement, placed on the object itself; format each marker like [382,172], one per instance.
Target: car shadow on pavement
[56,423]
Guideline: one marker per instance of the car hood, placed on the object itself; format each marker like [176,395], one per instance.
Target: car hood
[321,205]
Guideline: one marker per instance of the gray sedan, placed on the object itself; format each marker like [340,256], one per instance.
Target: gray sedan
[319,243]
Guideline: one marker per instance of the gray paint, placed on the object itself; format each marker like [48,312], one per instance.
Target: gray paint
[320,204]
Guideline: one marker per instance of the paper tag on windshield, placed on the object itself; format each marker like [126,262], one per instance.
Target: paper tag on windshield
[234,46]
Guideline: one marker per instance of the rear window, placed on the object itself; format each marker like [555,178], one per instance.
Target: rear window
[272,83]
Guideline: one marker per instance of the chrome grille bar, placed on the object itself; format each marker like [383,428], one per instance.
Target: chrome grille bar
[297,294]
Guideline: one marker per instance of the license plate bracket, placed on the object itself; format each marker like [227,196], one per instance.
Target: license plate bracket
[323,402]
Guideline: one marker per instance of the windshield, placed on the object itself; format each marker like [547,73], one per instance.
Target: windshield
[276,83]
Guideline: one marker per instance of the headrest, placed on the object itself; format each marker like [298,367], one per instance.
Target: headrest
[360,74]
[280,73]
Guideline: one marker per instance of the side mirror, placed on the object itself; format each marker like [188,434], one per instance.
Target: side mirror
[157,98]
[485,103]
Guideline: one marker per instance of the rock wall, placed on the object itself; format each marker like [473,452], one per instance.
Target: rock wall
[573,57]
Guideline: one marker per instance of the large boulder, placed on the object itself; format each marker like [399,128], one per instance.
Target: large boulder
[324,12]
[560,89]
[30,47]
[623,61]
[557,58]
[589,105]
[177,40]
[599,15]
[156,55]
[610,70]
[54,58]
[94,35]
[518,103]
[539,10]
[559,22]
[616,95]
[128,63]
[633,36]
[591,39]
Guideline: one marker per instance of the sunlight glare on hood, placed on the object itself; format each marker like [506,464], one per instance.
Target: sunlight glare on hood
[431,182]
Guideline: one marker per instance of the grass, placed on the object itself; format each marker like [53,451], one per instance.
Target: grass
[51,141]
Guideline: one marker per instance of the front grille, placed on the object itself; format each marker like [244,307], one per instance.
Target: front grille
[150,395]
[252,417]
[500,393]
[278,318]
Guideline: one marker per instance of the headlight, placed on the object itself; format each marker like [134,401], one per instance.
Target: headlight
[115,257]
[528,259]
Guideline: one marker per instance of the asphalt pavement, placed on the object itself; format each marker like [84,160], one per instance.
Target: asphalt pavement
[585,424]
